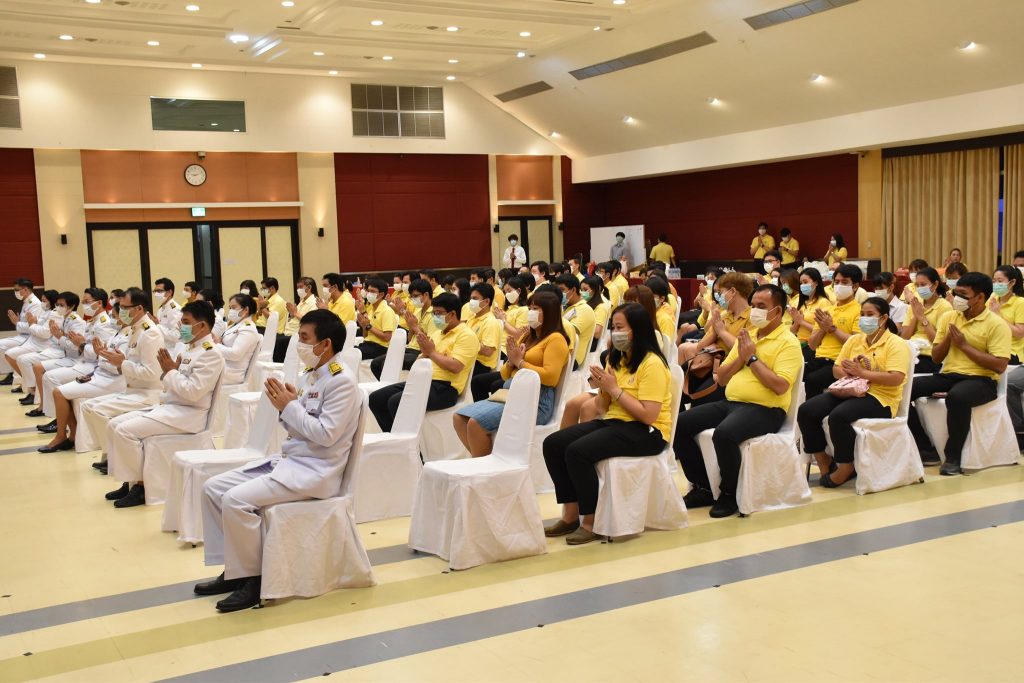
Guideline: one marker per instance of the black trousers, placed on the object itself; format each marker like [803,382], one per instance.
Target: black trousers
[733,423]
[925,364]
[817,376]
[377,364]
[964,392]
[280,347]
[484,384]
[384,402]
[371,350]
[841,414]
[571,454]
[807,351]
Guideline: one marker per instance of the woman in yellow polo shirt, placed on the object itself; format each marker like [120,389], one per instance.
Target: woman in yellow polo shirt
[928,306]
[635,391]
[592,291]
[832,328]
[811,297]
[1008,301]
[836,250]
[876,354]
[513,313]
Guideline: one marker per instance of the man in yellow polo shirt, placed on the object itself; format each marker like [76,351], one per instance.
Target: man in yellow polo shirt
[663,251]
[832,327]
[417,314]
[611,289]
[270,301]
[973,344]
[452,349]
[376,319]
[485,326]
[431,277]
[788,247]
[758,376]
[579,314]
[337,297]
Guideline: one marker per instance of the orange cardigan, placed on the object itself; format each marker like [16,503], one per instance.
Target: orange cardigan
[547,358]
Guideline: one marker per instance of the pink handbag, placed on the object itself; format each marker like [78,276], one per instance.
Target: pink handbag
[849,387]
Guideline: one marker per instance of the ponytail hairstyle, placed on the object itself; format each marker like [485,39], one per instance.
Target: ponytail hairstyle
[933,277]
[882,306]
[1013,275]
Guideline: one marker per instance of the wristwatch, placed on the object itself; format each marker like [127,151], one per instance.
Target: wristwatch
[752,360]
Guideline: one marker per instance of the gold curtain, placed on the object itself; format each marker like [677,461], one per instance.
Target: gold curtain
[1013,201]
[932,203]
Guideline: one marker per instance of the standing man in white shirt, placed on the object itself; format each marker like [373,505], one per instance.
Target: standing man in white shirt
[29,305]
[321,419]
[168,312]
[515,255]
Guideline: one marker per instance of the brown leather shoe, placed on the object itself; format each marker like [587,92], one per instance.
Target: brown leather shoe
[561,528]
[581,536]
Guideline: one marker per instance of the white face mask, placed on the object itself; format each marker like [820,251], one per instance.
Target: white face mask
[536,277]
[455,291]
[234,314]
[961,304]
[474,306]
[416,302]
[61,311]
[46,305]
[832,243]
[264,292]
[882,294]
[307,355]
[843,292]
[90,309]
[371,297]
[19,296]
[326,291]
[301,291]
[769,266]
[512,296]
[158,298]
[513,242]
[759,317]
[245,290]
[533,318]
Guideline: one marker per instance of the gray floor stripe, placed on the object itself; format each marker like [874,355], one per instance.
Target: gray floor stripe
[24,449]
[403,642]
[70,612]
[20,430]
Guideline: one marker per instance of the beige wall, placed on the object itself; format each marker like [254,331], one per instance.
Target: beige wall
[869,205]
[318,255]
[61,199]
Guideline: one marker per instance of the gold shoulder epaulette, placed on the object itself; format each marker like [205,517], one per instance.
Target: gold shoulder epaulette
[335,368]
[145,326]
[207,345]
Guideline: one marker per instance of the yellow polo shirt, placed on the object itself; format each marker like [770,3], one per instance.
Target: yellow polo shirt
[780,351]
[276,305]
[488,331]
[602,312]
[793,246]
[383,318]
[439,290]
[461,344]
[837,256]
[1013,313]
[733,324]
[426,320]
[652,382]
[499,297]
[761,251]
[666,319]
[305,306]
[581,316]
[933,314]
[344,307]
[889,353]
[808,309]
[986,332]
[663,252]
[845,318]
[612,293]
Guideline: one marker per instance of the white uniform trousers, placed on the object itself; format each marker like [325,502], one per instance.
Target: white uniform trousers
[25,362]
[125,434]
[16,353]
[79,394]
[53,379]
[232,524]
[97,412]
[6,345]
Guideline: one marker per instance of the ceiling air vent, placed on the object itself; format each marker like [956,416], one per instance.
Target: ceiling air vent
[651,54]
[10,107]
[797,10]
[524,91]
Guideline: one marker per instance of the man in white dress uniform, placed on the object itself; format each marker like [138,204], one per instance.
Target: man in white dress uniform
[168,312]
[188,385]
[320,419]
[29,304]
[64,325]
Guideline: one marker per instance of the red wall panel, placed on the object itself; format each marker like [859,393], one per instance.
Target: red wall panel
[20,255]
[404,211]
[714,214]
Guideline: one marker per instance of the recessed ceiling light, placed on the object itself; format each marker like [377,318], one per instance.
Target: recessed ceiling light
[817,78]
[453,61]
[214,124]
[520,54]
[287,3]
[618,2]
[377,22]
[452,29]
[153,43]
[597,28]
[387,58]
[968,45]
[93,2]
[65,36]
[39,55]
[191,8]
[525,34]
[197,66]
[450,78]
[237,131]
[554,134]
[714,101]
[628,119]
[238,38]
[318,53]
[332,72]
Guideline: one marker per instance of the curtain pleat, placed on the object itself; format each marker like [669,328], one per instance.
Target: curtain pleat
[1013,201]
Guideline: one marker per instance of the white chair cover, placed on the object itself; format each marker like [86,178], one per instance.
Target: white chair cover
[351,329]
[772,475]
[990,442]
[390,467]
[538,470]
[639,493]
[85,441]
[438,440]
[311,547]
[242,406]
[482,510]
[220,403]
[265,369]
[266,347]
[392,360]
[183,511]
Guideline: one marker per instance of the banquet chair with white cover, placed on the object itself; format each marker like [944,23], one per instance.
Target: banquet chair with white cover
[242,406]
[265,369]
[772,475]
[266,347]
[392,369]
[391,465]
[220,401]
[991,441]
[351,336]
[479,510]
[639,493]
[183,508]
[438,440]
[311,547]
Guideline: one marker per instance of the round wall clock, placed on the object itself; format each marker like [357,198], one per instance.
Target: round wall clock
[195,175]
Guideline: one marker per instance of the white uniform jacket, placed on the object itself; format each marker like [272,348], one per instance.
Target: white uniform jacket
[321,426]
[188,391]
[238,344]
[116,341]
[39,337]
[31,304]
[140,368]
[169,316]
[69,351]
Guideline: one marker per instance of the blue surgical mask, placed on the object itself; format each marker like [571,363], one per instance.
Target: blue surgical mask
[806,289]
[868,325]
[1000,288]
[565,300]
[925,292]
[586,296]
[720,298]
[439,322]
[186,333]
[952,283]
[787,289]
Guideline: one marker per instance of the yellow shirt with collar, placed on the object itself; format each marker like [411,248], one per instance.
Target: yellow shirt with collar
[769,242]
[302,308]
[275,304]
[425,317]
[581,316]
[662,251]
[794,246]
[488,331]
[1012,311]
[580,276]
[889,353]
[461,344]
[846,318]
[344,307]
[838,256]
[651,382]
[808,309]
[499,297]
[986,332]
[733,325]
[383,318]
[780,351]
[621,285]
[666,319]
[438,291]
[933,315]
[601,314]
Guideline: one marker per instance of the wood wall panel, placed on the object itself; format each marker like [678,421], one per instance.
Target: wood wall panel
[522,177]
[178,215]
[20,255]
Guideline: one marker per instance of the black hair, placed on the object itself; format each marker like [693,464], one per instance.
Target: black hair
[251,286]
[611,267]
[883,309]
[717,272]
[663,237]
[202,311]
[479,272]
[883,279]
[338,280]
[658,286]
[840,242]
[556,269]
[933,276]
[541,266]
[194,286]
[485,290]
[245,301]
[51,296]
[645,339]
[775,253]
[956,269]
[819,285]
[1018,254]
[488,273]
[762,224]
[116,294]
[596,290]
[139,297]
[548,287]
[71,300]
[506,274]
[448,281]
[785,232]
[979,283]
[270,282]
[1012,274]
[521,285]
[326,325]
[377,283]
[917,265]
[420,286]
[568,280]
[429,275]
[449,302]
[513,236]
[24,282]
[779,297]
[98,294]
[212,297]
[849,270]
[166,282]
[621,234]
[462,284]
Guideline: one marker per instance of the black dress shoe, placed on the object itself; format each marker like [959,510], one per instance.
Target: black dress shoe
[725,506]
[43,428]
[27,399]
[17,390]
[950,469]
[65,445]
[218,586]
[102,465]
[136,496]
[698,498]
[103,470]
[8,380]
[35,412]
[245,597]
[119,493]
[930,458]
